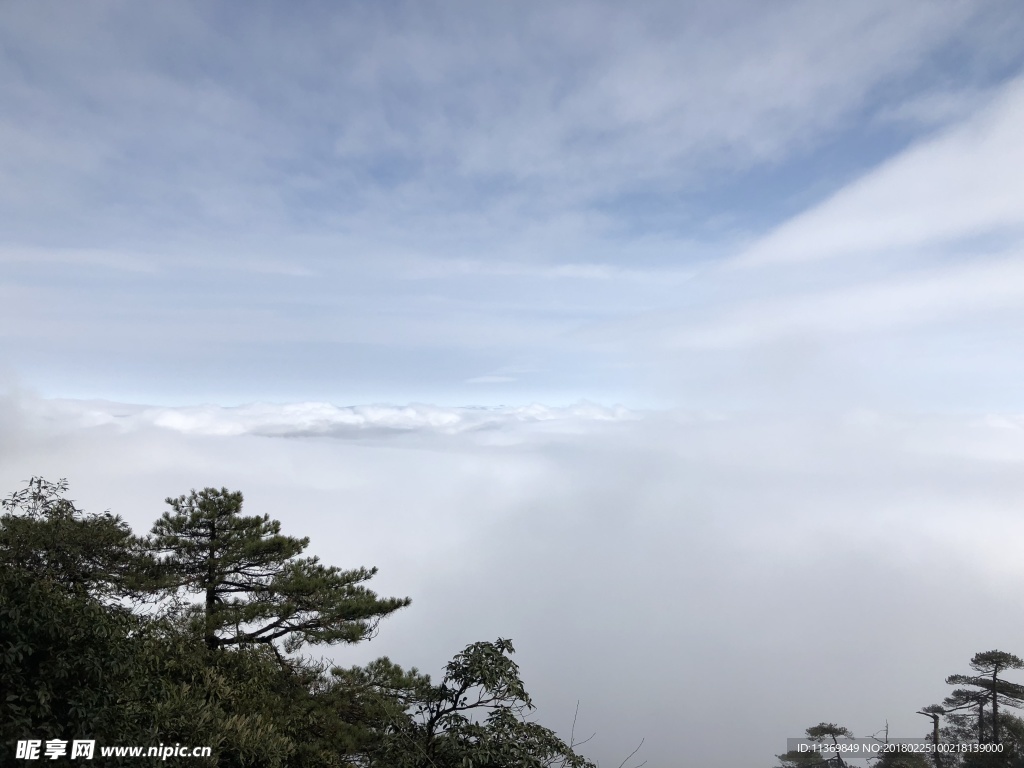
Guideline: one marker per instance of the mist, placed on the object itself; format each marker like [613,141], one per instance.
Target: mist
[709,584]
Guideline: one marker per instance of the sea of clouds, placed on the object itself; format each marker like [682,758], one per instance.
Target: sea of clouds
[712,583]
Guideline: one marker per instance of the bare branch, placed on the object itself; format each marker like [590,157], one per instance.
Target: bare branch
[633,753]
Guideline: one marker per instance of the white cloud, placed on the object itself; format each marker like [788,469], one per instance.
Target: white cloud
[442,268]
[628,557]
[967,182]
[323,203]
[314,419]
[904,289]
[913,298]
[937,108]
[490,380]
[129,261]
[492,118]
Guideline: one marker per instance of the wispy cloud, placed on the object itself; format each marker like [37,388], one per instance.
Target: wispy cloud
[915,299]
[129,261]
[316,201]
[490,380]
[312,419]
[963,184]
[576,106]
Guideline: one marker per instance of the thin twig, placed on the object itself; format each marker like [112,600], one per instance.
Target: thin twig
[633,753]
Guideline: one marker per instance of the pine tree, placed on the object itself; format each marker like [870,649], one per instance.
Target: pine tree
[989,666]
[822,733]
[256,588]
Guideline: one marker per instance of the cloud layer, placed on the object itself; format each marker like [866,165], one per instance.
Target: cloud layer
[316,419]
[407,202]
[714,584]
[788,236]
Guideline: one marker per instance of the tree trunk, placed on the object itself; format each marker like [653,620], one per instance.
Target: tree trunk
[211,592]
[995,709]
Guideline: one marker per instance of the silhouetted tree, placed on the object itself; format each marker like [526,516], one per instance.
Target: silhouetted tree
[989,666]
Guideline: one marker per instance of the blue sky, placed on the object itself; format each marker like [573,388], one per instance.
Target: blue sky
[474,203]
[788,238]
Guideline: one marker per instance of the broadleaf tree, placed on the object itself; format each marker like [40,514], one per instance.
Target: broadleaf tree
[49,537]
[476,716]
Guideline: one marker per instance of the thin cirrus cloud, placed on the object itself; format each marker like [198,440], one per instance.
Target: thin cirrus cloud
[919,300]
[911,276]
[578,105]
[490,379]
[965,183]
[301,209]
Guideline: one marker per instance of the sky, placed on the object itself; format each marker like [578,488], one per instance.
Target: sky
[695,329]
